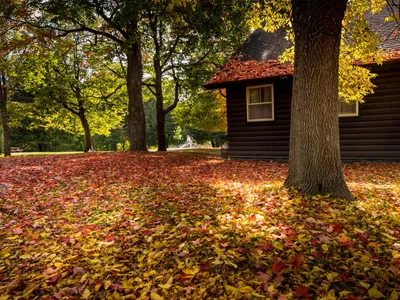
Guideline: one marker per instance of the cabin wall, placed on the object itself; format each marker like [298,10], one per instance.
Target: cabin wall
[373,135]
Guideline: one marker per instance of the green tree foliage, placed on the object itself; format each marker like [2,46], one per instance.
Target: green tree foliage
[204,111]
[186,35]
[359,44]
[69,80]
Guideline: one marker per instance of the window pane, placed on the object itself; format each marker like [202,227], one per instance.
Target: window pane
[261,111]
[266,111]
[255,112]
[254,95]
[267,94]
[348,108]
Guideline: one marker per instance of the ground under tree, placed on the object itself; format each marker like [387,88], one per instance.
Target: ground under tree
[314,160]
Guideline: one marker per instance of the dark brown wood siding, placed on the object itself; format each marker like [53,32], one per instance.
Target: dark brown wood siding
[373,135]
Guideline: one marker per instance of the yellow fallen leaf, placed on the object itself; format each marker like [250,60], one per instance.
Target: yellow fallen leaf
[246,289]
[97,287]
[190,271]
[374,293]
[116,295]
[155,296]
[325,247]
[364,284]
[230,289]
[86,294]
[394,296]
[168,284]
[107,284]
[84,277]
[28,291]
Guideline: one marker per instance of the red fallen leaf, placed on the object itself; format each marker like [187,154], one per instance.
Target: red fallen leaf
[50,271]
[85,233]
[352,297]
[108,238]
[184,277]
[252,217]
[302,291]
[17,231]
[189,289]
[115,286]
[78,270]
[297,261]
[344,277]
[263,277]
[315,242]
[278,280]
[277,267]
[147,232]
[363,237]
[53,280]
[318,254]
[240,250]
[337,227]
[204,266]
[18,271]
[266,246]
[66,239]
[347,244]
[324,238]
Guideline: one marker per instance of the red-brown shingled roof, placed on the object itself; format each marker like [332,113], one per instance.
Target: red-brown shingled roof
[237,70]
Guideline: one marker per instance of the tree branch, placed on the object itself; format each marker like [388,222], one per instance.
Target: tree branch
[170,52]
[172,66]
[65,32]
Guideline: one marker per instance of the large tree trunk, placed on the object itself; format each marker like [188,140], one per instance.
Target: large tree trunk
[86,128]
[3,112]
[162,142]
[136,117]
[314,160]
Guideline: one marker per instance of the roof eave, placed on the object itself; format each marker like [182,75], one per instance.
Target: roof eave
[221,85]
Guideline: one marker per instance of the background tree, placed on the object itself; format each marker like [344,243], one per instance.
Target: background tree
[73,81]
[117,21]
[186,37]
[16,43]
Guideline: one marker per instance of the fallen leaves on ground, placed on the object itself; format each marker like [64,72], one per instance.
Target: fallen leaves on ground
[176,226]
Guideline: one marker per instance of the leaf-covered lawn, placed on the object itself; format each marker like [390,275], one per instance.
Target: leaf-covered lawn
[176,226]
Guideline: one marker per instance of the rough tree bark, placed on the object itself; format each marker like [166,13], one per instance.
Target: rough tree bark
[3,112]
[86,128]
[314,159]
[136,117]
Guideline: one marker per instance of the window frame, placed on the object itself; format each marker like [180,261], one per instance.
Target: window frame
[248,104]
[356,114]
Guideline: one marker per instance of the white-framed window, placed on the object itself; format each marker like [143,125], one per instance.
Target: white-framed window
[260,103]
[348,109]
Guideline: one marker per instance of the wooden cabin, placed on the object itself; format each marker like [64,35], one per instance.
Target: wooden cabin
[259,91]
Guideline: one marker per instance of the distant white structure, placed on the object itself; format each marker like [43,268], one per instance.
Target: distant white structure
[188,144]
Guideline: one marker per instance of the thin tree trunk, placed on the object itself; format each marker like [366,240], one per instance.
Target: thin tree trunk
[314,160]
[136,117]
[4,118]
[86,128]
[162,142]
